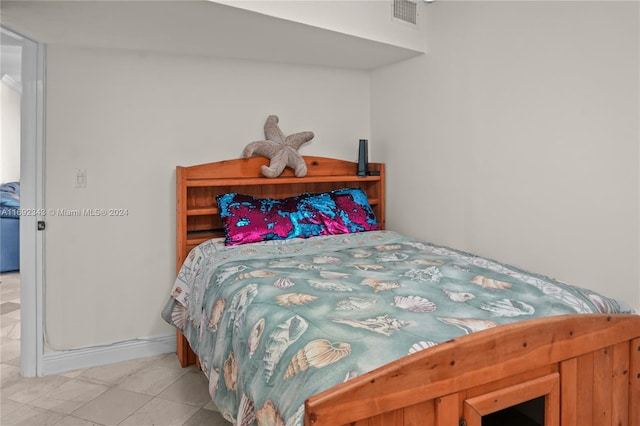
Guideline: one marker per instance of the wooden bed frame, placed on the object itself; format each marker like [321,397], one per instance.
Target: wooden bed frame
[585,368]
[198,219]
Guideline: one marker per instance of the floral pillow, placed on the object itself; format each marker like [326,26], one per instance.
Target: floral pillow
[247,219]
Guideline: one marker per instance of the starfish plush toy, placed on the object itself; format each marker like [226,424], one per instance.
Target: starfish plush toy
[280,149]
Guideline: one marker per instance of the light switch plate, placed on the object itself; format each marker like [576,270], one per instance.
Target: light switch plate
[81,178]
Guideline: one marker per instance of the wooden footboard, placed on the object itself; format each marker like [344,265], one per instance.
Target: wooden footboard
[585,369]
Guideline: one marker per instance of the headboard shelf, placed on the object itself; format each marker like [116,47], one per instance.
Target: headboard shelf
[197,214]
[279,181]
[202,212]
[198,237]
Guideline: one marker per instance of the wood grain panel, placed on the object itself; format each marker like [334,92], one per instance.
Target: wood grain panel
[447,410]
[569,392]
[420,414]
[620,384]
[511,380]
[603,386]
[391,418]
[634,382]
[584,393]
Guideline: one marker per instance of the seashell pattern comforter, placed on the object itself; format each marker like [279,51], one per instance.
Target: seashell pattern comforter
[274,323]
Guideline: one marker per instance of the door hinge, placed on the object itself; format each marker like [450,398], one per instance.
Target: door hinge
[462,422]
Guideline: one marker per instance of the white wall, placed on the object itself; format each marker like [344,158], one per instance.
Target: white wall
[10,125]
[129,119]
[516,137]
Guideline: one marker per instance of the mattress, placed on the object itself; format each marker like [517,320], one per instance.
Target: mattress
[275,323]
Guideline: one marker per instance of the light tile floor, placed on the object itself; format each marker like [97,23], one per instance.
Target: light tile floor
[147,391]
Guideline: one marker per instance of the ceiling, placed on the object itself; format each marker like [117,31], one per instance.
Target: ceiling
[189,27]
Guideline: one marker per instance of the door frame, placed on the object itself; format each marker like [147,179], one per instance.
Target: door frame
[32,169]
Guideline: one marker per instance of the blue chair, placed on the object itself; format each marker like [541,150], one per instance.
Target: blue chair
[9,227]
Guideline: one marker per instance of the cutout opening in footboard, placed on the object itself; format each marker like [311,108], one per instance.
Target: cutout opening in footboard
[516,400]
[528,413]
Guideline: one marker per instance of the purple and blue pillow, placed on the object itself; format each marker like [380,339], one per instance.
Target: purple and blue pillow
[248,219]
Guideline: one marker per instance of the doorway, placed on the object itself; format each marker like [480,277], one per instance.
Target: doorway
[29,75]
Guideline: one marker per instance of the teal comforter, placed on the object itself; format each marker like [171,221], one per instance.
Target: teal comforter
[274,323]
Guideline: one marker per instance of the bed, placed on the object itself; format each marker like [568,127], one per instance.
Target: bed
[376,328]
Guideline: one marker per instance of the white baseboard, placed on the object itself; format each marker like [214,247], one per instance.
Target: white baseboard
[63,361]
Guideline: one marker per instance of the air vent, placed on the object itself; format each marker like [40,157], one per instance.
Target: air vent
[405,10]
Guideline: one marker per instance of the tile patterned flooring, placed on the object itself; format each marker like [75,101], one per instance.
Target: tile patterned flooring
[148,391]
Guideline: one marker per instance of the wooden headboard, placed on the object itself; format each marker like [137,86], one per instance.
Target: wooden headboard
[197,215]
